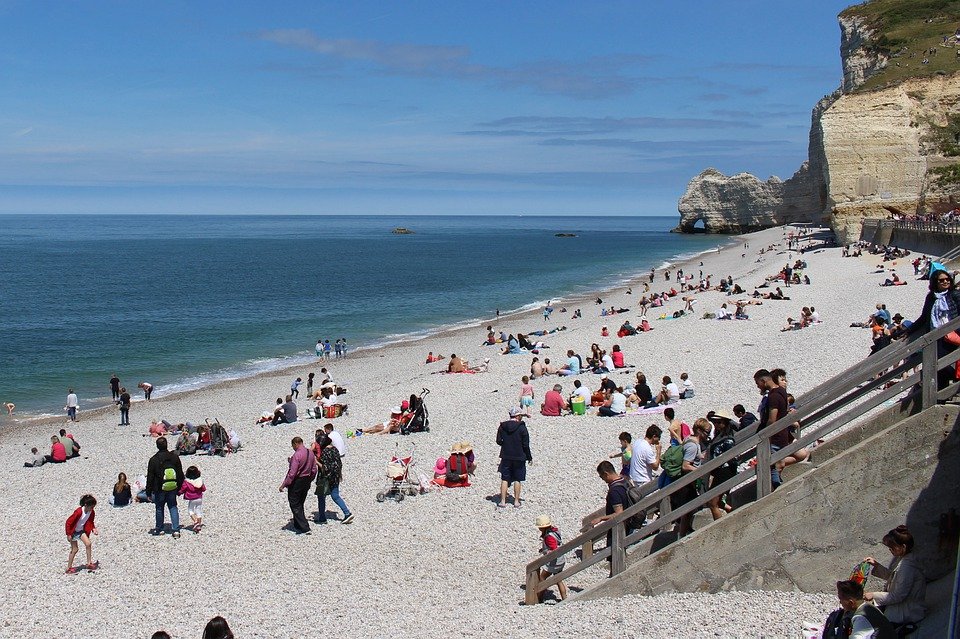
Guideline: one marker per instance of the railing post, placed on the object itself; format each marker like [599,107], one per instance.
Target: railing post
[928,376]
[764,481]
[586,551]
[665,507]
[617,563]
[533,580]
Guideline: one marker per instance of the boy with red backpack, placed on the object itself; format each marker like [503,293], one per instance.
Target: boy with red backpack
[550,541]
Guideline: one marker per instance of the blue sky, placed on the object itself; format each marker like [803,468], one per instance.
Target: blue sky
[408,108]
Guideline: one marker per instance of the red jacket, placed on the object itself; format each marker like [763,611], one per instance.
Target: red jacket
[75,517]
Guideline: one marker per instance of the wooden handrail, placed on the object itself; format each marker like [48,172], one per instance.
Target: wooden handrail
[853,388]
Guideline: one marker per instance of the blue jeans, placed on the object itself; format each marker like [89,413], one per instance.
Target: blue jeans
[124,416]
[72,413]
[335,496]
[774,473]
[167,498]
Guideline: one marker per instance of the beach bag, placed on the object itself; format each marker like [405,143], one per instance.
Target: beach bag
[634,495]
[169,478]
[672,461]
[332,412]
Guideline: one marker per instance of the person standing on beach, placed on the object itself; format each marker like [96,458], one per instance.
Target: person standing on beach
[72,405]
[124,403]
[343,346]
[326,350]
[337,350]
[115,387]
[164,479]
[319,349]
[514,442]
[303,468]
[295,387]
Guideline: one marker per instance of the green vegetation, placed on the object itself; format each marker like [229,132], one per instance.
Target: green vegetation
[947,175]
[906,31]
[948,137]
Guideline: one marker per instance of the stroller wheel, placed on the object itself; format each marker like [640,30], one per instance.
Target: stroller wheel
[400,495]
[381,497]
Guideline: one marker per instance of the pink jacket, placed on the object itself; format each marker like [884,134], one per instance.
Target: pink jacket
[192,489]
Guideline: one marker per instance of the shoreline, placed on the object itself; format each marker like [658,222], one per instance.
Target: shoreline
[532,309]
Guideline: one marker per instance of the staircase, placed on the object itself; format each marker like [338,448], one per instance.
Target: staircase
[808,533]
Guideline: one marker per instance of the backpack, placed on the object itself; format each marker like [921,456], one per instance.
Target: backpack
[672,461]
[634,495]
[169,475]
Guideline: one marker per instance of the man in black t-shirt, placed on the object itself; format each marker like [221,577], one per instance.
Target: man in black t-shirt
[774,409]
[616,495]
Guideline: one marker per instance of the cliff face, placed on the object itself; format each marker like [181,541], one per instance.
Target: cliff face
[878,149]
[742,203]
[870,155]
[860,61]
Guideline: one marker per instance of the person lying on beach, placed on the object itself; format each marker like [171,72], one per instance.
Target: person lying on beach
[431,358]
[387,427]
[157,429]
[791,325]
[482,367]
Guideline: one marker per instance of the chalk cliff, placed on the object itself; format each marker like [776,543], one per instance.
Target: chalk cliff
[872,153]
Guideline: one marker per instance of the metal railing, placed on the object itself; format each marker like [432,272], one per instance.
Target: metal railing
[823,410]
[932,227]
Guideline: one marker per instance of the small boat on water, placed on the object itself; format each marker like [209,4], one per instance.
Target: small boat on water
[402,231]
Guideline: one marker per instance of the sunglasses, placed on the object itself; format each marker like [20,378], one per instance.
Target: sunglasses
[942,279]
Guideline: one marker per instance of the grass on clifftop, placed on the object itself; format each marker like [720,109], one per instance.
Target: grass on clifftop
[909,32]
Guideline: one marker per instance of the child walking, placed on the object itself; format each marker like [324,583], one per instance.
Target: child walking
[550,541]
[192,490]
[526,395]
[80,525]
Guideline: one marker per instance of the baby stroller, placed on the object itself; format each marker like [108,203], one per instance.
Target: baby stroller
[420,422]
[219,439]
[399,484]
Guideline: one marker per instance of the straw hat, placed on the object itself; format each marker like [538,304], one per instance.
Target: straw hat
[456,448]
[722,414]
[466,447]
[543,521]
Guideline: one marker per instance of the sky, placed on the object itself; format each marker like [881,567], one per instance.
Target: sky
[446,107]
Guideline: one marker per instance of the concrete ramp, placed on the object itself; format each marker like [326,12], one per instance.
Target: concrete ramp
[815,528]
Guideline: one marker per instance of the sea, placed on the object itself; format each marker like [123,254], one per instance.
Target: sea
[185,301]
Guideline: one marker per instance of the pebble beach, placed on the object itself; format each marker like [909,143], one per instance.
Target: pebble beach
[442,562]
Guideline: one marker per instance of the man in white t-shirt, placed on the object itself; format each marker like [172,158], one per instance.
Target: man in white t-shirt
[579,390]
[646,456]
[72,404]
[669,393]
[336,438]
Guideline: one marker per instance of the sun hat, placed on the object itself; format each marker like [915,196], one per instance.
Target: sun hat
[456,448]
[396,410]
[440,466]
[466,447]
[405,404]
[514,411]
[722,414]
[543,521]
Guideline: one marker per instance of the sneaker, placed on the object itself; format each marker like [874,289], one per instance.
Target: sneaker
[176,534]
[348,519]
[72,570]
[94,566]
[156,532]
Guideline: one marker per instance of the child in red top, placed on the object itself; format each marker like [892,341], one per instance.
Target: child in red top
[80,525]
[550,541]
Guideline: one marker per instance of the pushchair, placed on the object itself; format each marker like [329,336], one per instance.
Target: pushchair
[420,422]
[399,483]
[219,439]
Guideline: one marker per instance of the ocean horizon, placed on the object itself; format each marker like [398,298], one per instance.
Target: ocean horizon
[185,301]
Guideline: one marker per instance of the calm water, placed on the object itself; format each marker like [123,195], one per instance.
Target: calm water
[183,301]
